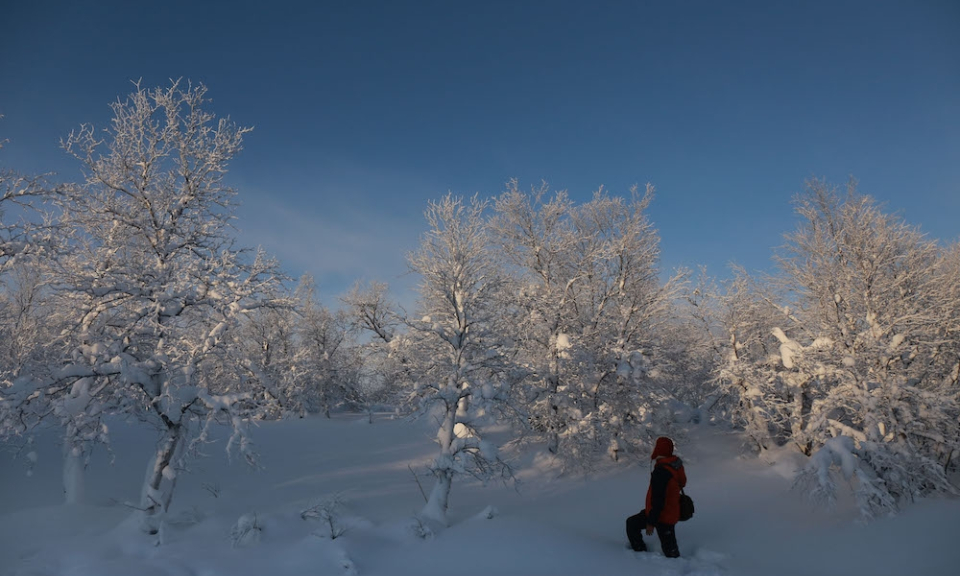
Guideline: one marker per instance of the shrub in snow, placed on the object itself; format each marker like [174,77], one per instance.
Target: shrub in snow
[327,512]
[346,564]
[421,527]
[246,531]
[881,477]
[213,489]
[489,513]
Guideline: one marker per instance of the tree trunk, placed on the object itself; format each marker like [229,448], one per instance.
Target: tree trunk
[74,465]
[161,479]
[436,507]
[553,415]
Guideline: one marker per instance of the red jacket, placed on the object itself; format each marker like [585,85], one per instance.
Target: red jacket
[663,495]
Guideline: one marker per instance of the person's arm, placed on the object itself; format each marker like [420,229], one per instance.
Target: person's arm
[658,494]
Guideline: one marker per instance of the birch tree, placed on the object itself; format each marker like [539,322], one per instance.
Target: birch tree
[267,337]
[589,304]
[747,312]
[375,322]
[535,234]
[30,239]
[455,352]
[155,284]
[326,356]
[857,373]
[871,295]
[623,312]
[27,241]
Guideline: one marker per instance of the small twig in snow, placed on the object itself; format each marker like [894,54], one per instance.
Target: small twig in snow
[415,477]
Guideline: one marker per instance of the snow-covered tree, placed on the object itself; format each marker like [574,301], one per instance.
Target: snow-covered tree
[872,296]
[28,323]
[945,355]
[27,240]
[537,239]
[370,310]
[303,354]
[588,305]
[745,309]
[30,240]
[26,226]
[690,349]
[267,337]
[454,351]
[374,322]
[326,357]
[154,285]
[859,352]
[623,311]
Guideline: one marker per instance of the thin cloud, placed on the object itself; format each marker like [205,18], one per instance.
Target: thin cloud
[336,245]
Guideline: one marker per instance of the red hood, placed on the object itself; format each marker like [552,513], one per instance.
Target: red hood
[664,447]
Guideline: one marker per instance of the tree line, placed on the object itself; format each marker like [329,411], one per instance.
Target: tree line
[126,294]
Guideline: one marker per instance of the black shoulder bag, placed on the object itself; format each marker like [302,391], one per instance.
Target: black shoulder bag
[686,506]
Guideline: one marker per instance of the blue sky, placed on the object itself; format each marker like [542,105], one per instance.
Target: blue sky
[365,110]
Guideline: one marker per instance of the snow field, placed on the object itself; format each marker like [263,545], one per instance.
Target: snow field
[747,520]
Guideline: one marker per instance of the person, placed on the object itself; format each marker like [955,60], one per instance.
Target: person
[663,502]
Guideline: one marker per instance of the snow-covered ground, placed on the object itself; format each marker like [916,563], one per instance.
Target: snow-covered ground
[747,520]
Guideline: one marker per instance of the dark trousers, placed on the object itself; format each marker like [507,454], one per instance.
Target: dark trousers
[637,523]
